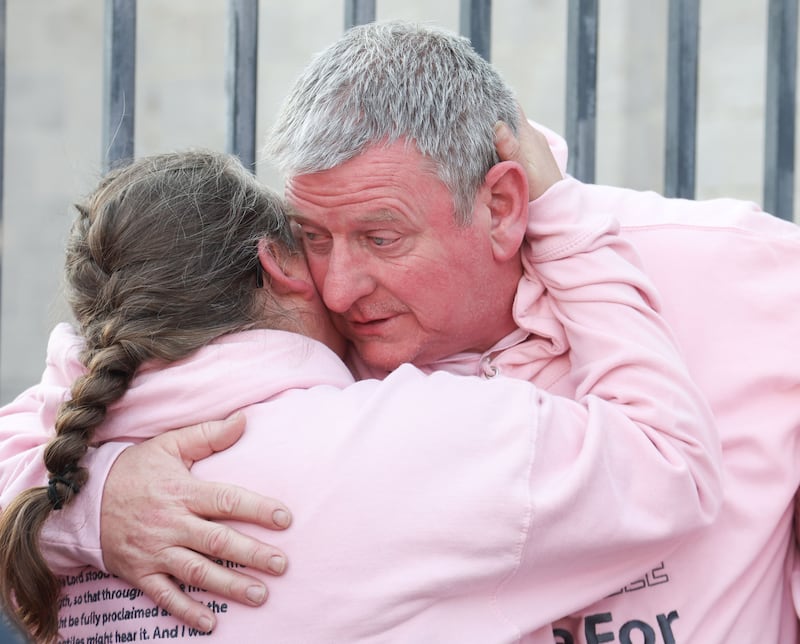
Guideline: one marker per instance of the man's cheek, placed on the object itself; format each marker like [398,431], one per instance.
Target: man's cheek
[341,325]
[318,269]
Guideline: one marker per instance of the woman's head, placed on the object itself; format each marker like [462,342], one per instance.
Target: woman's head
[164,253]
[163,258]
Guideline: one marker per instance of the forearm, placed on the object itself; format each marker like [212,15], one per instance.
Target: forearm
[630,466]
[71,537]
[620,348]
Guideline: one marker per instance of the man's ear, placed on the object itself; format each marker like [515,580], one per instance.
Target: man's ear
[505,191]
[287,272]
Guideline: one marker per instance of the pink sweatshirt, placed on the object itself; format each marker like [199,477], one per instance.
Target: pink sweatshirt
[427,508]
[728,276]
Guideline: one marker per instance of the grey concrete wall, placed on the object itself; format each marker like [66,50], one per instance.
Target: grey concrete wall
[53,108]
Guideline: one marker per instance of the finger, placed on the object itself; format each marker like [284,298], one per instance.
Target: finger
[221,435]
[199,441]
[521,114]
[235,584]
[225,501]
[506,143]
[531,149]
[223,543]
[168,596]
[533,146]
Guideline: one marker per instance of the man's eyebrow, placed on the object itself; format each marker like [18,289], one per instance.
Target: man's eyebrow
[378,216]
[298,218]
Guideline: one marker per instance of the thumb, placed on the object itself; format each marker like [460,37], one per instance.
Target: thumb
[196,442]
[506,143]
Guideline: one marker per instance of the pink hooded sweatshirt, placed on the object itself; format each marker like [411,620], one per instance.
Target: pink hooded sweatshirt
[426,508]
[728,277]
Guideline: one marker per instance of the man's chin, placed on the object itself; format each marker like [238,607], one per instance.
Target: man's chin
[382,357]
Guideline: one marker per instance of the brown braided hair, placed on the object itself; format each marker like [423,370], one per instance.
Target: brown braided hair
[161,260]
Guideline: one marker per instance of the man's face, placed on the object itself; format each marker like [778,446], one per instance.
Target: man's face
[403,281]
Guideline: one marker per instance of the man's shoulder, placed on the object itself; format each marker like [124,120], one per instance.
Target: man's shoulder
[645,212]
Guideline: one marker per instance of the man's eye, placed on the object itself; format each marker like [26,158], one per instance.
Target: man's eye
[313,236]
[315,242]
[382,241]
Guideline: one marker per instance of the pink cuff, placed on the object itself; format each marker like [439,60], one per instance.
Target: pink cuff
[71,536]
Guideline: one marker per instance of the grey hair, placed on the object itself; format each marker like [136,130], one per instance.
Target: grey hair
[389,81]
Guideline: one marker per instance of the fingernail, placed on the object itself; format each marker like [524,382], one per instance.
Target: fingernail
[206,624]
[276,564]
[281,518]
[256,594]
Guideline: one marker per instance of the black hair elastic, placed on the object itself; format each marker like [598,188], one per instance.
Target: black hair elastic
[52,493]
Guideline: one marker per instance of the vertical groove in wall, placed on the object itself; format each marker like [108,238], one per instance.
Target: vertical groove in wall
[358,12]
[475,18]
[779,117]
[241,79]
[681,108]
[119,80]
[581,117]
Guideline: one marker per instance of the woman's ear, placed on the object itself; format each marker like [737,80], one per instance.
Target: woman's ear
[506,194]
[286,272]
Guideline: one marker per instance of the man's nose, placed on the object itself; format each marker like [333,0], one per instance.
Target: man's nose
[347,280]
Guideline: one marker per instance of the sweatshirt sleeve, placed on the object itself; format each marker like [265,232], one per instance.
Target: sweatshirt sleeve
[70,537]
[633,465]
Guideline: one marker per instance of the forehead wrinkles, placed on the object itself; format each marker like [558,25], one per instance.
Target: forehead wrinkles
[375,204]
[332,195]
[378,167]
